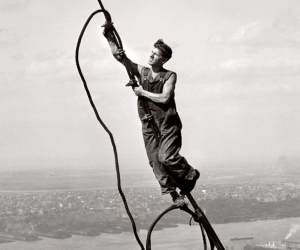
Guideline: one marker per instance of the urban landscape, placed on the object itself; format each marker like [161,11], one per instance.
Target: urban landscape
[59,214]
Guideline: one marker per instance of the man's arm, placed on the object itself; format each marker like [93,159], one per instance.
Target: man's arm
[164,97]
[119,54]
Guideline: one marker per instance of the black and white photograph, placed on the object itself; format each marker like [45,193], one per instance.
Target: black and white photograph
[163,124]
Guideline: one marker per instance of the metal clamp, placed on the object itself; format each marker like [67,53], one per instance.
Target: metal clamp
[107,25]
[147,118]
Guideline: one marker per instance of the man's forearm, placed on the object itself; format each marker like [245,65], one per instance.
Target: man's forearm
[119,54]
[156,97]
[114,50]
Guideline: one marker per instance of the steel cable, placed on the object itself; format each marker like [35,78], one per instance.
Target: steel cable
[103,125]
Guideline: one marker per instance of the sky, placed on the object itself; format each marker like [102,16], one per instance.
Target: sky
[237,92]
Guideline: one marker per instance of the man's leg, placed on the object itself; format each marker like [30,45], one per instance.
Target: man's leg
[169,156]
[164,179]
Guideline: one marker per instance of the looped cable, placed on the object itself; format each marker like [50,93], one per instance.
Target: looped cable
[107,15]
[169,209]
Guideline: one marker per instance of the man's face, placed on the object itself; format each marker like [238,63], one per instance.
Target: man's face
[156,58]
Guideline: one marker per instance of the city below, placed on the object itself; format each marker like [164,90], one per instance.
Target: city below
[32,215]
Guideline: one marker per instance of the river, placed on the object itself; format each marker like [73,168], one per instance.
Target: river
[182,237]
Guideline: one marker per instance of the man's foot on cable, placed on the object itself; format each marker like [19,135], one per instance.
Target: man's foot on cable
[190,184]
[178,200]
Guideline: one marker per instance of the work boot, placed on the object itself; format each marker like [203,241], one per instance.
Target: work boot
[178,200]
[190,184]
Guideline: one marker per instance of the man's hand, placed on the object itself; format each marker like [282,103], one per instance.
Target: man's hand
[108,27]
[164,97]
[138,90]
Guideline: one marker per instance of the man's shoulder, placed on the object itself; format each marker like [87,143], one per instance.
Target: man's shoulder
[143,70]
[168,73]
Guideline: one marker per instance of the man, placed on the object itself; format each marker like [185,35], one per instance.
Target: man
[156,89]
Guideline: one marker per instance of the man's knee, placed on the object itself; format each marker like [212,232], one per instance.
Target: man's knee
[162,159]
[166,160]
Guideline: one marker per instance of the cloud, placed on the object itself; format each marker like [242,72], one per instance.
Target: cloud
[9,38]
[18,56]
[251,77]
[281,32]
[242,90]
[245,33]
[55,68]
[257,67]
[14,5]
[49,55]
[58,65]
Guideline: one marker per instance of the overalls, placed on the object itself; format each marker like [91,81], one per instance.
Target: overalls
[169,167]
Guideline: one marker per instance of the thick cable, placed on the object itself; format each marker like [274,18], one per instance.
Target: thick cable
[169,209]
[104,126]
[148,241]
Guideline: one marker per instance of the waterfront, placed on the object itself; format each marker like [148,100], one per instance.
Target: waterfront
[179,238]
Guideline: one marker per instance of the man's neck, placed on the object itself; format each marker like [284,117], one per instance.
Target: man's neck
[156,69]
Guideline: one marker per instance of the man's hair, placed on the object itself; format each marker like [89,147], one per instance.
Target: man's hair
[165,49]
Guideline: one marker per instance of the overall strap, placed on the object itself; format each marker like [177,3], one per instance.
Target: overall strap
[145,71]
[164,76]
[145,76]
[144,103]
